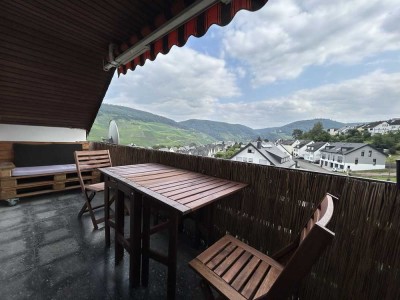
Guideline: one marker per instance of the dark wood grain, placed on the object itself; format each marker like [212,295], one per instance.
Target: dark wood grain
[238,271]
[183,190]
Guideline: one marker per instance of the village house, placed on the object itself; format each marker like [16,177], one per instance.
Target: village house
[264,153]
[287,146]
[394,124]
[300,149]
[313,151]
[380,127]
[333,131]
[351,156]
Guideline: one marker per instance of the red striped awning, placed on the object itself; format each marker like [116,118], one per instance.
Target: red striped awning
[219,13]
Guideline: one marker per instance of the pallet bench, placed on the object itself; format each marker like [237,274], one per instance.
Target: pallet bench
[17,182]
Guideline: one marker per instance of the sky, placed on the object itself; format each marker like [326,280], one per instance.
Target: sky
[289,61]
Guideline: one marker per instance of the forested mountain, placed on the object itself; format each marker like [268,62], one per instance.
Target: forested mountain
[304,125]
[222,131]
[147,129]
[144,129]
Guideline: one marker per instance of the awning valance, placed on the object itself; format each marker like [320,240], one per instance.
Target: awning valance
[218,13]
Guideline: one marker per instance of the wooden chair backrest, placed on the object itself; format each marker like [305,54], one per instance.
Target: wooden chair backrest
[313,240]
[91,160]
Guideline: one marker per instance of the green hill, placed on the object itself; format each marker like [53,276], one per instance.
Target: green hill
[221,130]
[144,129]
[305,125]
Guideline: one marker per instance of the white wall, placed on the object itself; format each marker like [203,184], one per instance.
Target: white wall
[40,133]
[256,157]
[363,167]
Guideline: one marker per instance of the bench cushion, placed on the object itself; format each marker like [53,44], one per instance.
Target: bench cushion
[43,170]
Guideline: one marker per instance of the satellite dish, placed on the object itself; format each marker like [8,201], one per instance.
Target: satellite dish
[113,133]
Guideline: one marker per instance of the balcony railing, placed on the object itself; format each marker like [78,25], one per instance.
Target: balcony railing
[363,261]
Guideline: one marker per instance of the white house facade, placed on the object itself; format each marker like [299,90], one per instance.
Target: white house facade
[394,124]
[287,146]
[313,151]
[332,131]
[351,156]
[300,149]
[264,154]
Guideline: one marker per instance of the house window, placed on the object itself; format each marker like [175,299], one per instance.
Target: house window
[249,151]
[370,153]
[326,164]
[331,165]
[362,153]
[356,161]
[374,161]
[342,167]
[333,157]
[244,159]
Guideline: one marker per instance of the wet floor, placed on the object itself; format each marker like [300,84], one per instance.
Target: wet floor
[46,252]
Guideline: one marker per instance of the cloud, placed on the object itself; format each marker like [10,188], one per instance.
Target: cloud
[284,38]
[372,97]
[181,85]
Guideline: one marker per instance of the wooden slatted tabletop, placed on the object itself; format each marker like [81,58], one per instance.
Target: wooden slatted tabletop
[183,190]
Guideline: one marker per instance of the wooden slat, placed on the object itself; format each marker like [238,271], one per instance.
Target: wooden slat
[170,180]
[215,280]
[227,263]
[97,187]
[254,282]
[94,166]
[268,281]
[213,263]
[178,183]
[213,250]
[148,179]
[245,274]
[206,200]
[207,193]
[86,157]
[195,190]
[254,252]
[235,269]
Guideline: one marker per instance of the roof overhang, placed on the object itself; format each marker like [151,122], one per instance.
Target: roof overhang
[53,53]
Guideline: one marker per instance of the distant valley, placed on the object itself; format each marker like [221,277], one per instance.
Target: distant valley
[145,129]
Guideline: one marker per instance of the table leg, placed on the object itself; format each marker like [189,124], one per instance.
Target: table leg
[172,254]
[135,238]
[146,241]
[119,226]
[107,211]
[210,225]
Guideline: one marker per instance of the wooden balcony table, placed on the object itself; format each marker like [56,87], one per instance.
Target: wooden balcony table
[178,192]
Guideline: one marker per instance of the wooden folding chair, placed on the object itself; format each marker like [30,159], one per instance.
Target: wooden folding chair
[87,161]
[238,271]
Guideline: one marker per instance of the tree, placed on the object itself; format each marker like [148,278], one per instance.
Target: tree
[297,133]
[318,134]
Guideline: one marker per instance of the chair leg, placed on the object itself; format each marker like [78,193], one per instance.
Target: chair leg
[85,206]
[89,208]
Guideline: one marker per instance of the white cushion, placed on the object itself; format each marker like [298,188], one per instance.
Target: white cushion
[43,170]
